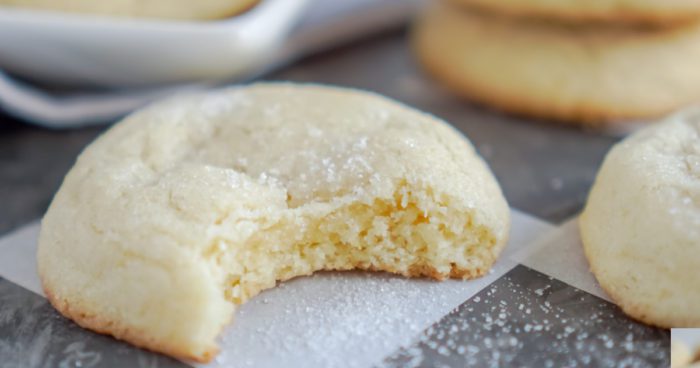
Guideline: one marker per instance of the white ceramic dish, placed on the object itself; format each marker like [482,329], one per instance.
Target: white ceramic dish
[84,50]
[46,54]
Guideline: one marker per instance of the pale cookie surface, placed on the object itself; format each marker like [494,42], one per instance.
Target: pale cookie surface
[578,74]
[680,354]
[169,9]
[641,224]
[198,203]
[617,11]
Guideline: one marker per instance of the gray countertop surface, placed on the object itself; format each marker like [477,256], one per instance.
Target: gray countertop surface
[545,169]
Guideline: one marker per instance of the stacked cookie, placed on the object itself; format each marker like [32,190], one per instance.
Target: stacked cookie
[592,62]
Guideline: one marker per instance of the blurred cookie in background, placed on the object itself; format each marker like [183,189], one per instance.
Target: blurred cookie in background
[614,11]
[168,9]
[587,74]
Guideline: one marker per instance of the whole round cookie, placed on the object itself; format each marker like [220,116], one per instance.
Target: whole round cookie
[169,9]
[580,74]
[196,204]
[657,12]
[641,224]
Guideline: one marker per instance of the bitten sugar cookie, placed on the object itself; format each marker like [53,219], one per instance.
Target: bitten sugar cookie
[590,75]
[615,11]
[196,204]
[641,225]
[171,9]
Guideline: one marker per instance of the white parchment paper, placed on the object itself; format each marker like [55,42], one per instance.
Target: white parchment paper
[560,254]
[331,319]
[690,336]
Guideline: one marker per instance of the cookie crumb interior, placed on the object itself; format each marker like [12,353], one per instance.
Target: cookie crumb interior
[412,234]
